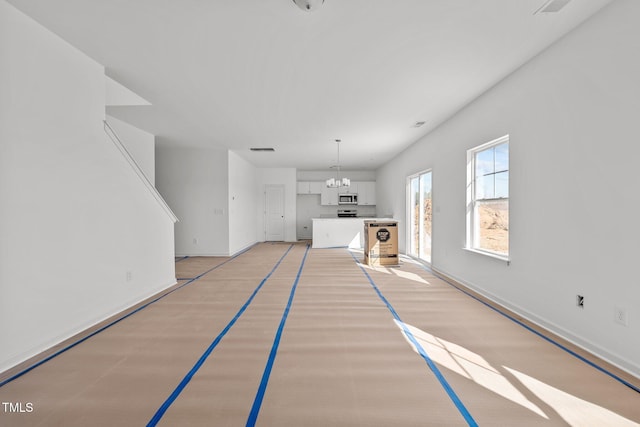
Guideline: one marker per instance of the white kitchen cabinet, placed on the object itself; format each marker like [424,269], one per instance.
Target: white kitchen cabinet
[310,187]
[329,196]
[352,189]
[366,193]
[315,187]
[303,187]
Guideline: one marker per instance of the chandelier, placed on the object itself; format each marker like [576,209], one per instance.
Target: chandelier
[337,182]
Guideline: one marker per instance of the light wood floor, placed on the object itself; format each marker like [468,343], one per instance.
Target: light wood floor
[284,335]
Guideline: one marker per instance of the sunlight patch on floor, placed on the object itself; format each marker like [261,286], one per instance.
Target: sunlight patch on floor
[468,364]
[409,276]
[572,409]
[575,411]
[398,271]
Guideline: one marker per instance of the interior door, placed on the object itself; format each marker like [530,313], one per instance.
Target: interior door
[274,213]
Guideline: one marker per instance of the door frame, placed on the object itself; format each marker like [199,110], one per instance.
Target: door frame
[266,214]
[409,217]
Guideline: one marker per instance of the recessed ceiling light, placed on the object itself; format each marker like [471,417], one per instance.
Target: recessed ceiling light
[552,6]
[418,124]
[262,149]
[308,5]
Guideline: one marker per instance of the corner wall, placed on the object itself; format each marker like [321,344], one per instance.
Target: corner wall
[82,237]
[572,116]
[243,203]
[195,184]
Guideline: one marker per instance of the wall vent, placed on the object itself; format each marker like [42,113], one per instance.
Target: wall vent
[262,149]
[552,6]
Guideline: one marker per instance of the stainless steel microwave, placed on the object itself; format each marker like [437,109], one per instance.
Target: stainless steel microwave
[347,199]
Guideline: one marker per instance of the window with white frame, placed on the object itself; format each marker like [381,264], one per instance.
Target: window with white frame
[488,198]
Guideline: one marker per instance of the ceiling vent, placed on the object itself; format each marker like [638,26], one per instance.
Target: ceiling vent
[552,6]
[262,149]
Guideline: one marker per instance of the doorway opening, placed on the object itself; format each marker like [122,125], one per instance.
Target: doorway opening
[420,215]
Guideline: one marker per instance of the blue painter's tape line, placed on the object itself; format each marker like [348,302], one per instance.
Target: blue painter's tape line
[182,258]
[443,382]
[530,329]
[187,378]
[62,350]
[257,402]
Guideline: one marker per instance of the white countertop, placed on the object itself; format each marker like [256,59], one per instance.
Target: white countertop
[358,218]
[341,232]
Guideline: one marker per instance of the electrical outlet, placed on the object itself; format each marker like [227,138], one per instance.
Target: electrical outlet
[195,240]
[129,275]
[620,315]
[580,301]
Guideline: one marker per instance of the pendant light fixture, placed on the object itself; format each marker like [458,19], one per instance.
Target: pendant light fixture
[308,5]
[337,182]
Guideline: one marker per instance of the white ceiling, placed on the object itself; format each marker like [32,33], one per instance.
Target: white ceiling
[263,73]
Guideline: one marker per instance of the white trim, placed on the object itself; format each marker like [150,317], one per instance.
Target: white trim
[489,144]
[138,170]
[490,254]
[409,214]
[472,228]
[629,366]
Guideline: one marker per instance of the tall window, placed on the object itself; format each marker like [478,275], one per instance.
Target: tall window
[488,197]
[420,215]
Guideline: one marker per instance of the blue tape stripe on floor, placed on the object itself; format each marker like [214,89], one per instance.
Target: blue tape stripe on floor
[187,378]
[447,387]
[257,402]
[180,259]
[530,329]
[59,352]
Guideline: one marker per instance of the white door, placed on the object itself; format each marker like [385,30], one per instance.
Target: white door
[274,213]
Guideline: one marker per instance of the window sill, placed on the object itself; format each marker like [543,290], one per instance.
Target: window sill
[489,254]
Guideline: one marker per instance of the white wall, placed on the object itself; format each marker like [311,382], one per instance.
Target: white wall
[75,218]
[140,144]
[219,198]
[275,176]
[195,184]
[243,203]
[572,115]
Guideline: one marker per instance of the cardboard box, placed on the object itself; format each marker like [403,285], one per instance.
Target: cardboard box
[381,243]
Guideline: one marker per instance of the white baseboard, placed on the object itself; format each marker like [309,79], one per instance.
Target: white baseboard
[613,359]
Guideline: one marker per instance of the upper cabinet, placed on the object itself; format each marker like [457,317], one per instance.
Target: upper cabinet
[310,187]
[315,187]
[351,189]
[366,192]
[329,196]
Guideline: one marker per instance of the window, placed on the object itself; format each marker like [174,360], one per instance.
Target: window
[488,198]
[419,210]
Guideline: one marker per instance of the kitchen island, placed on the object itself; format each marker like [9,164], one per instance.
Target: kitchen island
[339,232]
